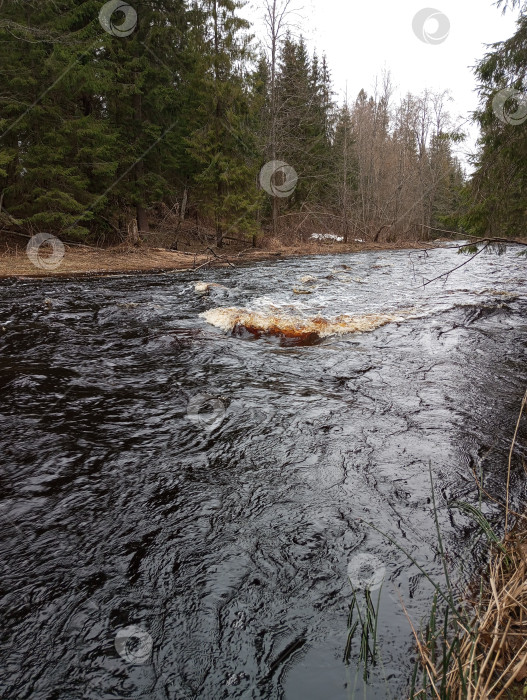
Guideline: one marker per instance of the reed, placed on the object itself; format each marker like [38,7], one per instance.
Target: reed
[474,646]
[367,617]
[485,658]
[480,653]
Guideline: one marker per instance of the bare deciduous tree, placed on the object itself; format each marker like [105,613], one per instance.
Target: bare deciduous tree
[277,18]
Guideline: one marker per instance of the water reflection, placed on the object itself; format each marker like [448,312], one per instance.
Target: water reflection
[128,502]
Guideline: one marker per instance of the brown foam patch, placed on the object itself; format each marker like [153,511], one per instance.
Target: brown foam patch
[242,322]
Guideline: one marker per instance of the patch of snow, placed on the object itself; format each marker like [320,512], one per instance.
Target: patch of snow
[326,237]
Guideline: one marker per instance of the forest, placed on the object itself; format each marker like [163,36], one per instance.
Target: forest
[264,402]
[169,120]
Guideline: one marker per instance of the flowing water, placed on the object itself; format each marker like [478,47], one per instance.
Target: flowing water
[209,494]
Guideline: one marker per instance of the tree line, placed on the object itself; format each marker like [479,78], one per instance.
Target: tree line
[111,112]
[494,201]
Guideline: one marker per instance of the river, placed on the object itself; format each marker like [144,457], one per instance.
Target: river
[209,494]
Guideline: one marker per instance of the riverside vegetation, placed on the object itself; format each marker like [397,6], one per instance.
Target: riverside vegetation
[158,134]
[158,138]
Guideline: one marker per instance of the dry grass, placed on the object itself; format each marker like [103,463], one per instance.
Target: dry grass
[122,259]
[91,261]
[486,653]
[491,661]
[80,261]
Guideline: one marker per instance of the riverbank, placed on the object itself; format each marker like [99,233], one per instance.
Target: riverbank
[487,636]
[85,261]
[487,646]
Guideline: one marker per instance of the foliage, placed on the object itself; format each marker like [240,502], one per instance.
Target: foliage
[496,199]
[98,130]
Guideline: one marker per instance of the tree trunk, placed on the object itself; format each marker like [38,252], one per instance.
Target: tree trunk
[219,234]
[273,115]
[142,219]
[275,216]
[183,205]
[133,233]
[218,115]
[345,178]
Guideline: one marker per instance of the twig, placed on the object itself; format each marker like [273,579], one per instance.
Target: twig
[220,257]
[208,262]
[447,274]
[68,243]
[493,240]
[442,230]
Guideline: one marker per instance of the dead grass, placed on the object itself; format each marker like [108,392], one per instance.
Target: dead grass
[89,261]
[487,653]
[491,663]
[125,259]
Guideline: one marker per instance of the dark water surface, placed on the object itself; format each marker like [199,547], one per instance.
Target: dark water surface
[215,492]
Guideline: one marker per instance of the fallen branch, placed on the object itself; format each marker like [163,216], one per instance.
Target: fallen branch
[220,257]
[66,243]
[488,242]
[244,251]
[510,241]
[208,262]
[447,274]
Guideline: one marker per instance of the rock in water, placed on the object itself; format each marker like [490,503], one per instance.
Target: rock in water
[205,287]
[285,326]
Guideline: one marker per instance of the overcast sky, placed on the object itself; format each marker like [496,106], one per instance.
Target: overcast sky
[363,37]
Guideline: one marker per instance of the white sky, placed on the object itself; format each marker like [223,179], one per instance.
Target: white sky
[363,37]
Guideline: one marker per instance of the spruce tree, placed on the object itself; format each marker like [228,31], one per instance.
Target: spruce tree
[223,144]
[58,148]
[498,190]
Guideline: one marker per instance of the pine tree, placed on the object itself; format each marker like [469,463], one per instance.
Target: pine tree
[149,68]
[322,119]
[295,127]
